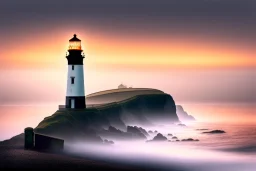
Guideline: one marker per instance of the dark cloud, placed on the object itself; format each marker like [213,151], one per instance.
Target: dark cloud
[233,19]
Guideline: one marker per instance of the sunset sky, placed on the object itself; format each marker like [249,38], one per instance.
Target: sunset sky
[196,50]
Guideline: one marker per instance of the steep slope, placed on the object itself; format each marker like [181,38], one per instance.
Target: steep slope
[123,94]
[73,125]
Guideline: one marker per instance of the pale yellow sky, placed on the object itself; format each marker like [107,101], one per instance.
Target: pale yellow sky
[42,51]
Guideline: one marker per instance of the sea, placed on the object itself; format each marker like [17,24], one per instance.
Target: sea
[234,150]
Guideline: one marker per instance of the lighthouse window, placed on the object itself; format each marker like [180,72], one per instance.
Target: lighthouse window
[72,80]
[73,67]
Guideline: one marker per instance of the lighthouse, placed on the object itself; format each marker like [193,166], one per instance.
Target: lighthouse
[75,96]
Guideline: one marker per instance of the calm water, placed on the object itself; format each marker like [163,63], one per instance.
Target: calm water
[13,119]
[238,137]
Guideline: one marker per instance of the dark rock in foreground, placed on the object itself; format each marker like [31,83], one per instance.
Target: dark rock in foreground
[115,134]
[215,132]
[135,130]
[159,137]
[133,133]
[190,139]
[138,131]
[143,131]
[108,142]
[114,130]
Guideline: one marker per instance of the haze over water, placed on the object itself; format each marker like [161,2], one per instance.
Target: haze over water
[233,151]
[14,118]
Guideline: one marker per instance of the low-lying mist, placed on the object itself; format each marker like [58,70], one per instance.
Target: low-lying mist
[163,156]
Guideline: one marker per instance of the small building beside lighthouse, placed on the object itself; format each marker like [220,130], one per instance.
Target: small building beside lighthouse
[75,95]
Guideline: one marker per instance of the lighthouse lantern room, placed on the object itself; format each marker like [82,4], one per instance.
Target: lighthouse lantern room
[75,96]
[75,43]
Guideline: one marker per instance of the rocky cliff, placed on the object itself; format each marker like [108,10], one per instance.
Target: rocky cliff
[183,115]
[87,124]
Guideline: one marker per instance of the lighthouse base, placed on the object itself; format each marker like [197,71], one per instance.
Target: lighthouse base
[75,102]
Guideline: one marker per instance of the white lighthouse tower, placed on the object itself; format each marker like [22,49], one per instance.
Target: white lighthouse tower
[75,97]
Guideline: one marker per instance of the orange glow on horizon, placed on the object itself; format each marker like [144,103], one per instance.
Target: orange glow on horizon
[121,52]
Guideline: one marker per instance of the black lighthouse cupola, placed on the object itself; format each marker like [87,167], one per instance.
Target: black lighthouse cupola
[75,96]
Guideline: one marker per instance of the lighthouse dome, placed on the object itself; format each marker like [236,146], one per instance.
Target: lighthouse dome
[75,43]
